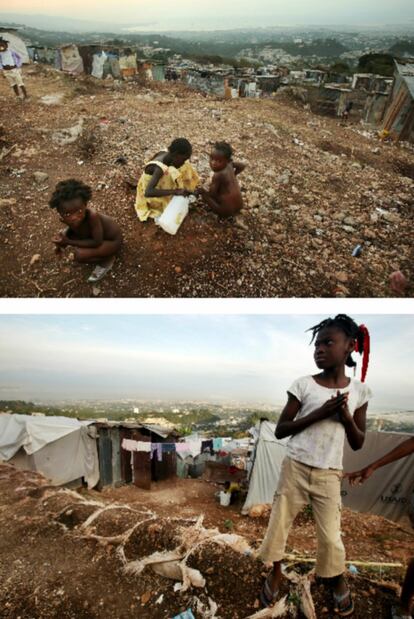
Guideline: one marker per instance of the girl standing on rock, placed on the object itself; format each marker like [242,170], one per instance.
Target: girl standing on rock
[168,174]
[320,412]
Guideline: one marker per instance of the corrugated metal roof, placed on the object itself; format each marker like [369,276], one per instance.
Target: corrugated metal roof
[406,69]
[160,430]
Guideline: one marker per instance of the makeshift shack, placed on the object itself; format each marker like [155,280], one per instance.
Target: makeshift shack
[60,448]
[386,493]
[399,116]
[152,453]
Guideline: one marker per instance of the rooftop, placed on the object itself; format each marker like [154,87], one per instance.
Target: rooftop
[405,68]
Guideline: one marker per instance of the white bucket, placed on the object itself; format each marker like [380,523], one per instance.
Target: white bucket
[174,214]
[225,498]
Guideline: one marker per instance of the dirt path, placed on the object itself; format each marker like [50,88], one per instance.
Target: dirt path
[52,567]
[313,190]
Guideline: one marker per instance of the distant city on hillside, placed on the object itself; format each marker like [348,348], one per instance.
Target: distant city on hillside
[230,419]
[294,47]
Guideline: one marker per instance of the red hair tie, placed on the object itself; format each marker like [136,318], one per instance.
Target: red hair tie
[365,350]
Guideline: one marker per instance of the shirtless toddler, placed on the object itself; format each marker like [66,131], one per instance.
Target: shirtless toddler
[224,195]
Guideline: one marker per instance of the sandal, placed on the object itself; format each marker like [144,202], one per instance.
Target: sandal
[348,610]
[99,272]
[267,596]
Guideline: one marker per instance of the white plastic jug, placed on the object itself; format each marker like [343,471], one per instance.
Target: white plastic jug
[174,214]
[225,498]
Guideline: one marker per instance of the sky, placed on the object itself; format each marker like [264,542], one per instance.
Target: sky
[221,358]
[187,14]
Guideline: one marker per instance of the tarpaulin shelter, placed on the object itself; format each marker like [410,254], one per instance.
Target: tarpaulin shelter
[71,60]
[16,44]
[60,448]
[387,493]
[128,64]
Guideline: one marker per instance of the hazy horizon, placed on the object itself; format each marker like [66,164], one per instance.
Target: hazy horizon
[163,16]
[187,357]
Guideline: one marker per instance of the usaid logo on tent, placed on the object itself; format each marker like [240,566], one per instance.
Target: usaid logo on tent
[394,497]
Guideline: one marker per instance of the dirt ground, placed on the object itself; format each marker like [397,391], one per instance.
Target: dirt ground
[53,564]
[313,190]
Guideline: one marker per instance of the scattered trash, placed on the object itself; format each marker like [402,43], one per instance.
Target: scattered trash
[357,251]
[160,599]
[204,612]
[55,99]
[177,586]
[278,610]
[187,614]
[70,135]
[352,569]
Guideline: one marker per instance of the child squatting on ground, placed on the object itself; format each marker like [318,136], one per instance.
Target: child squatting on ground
[405,448]
[321,411]
[224,195]
[10,64]
[94,237]
[168,174]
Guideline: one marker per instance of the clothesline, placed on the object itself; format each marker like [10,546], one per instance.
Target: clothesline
[194,447]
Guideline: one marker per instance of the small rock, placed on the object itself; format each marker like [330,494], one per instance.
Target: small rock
[96,291]
[8,202]
[350,221]
[341,276]
[145,597]
[398,282]
[35,258]
[40,177]
[178,269]
[391,217]
[348,229]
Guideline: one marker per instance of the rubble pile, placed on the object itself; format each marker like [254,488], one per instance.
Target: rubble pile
[313,189]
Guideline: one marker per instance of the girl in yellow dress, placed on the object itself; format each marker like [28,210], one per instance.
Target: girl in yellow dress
[168,174]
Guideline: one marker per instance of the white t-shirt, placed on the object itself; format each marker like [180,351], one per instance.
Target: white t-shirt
[322,444]
[7,58]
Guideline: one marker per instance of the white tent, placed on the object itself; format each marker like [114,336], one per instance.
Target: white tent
[61,448]
[16,45]
[387,493]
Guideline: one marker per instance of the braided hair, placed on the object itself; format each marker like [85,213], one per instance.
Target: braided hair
[349,327]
